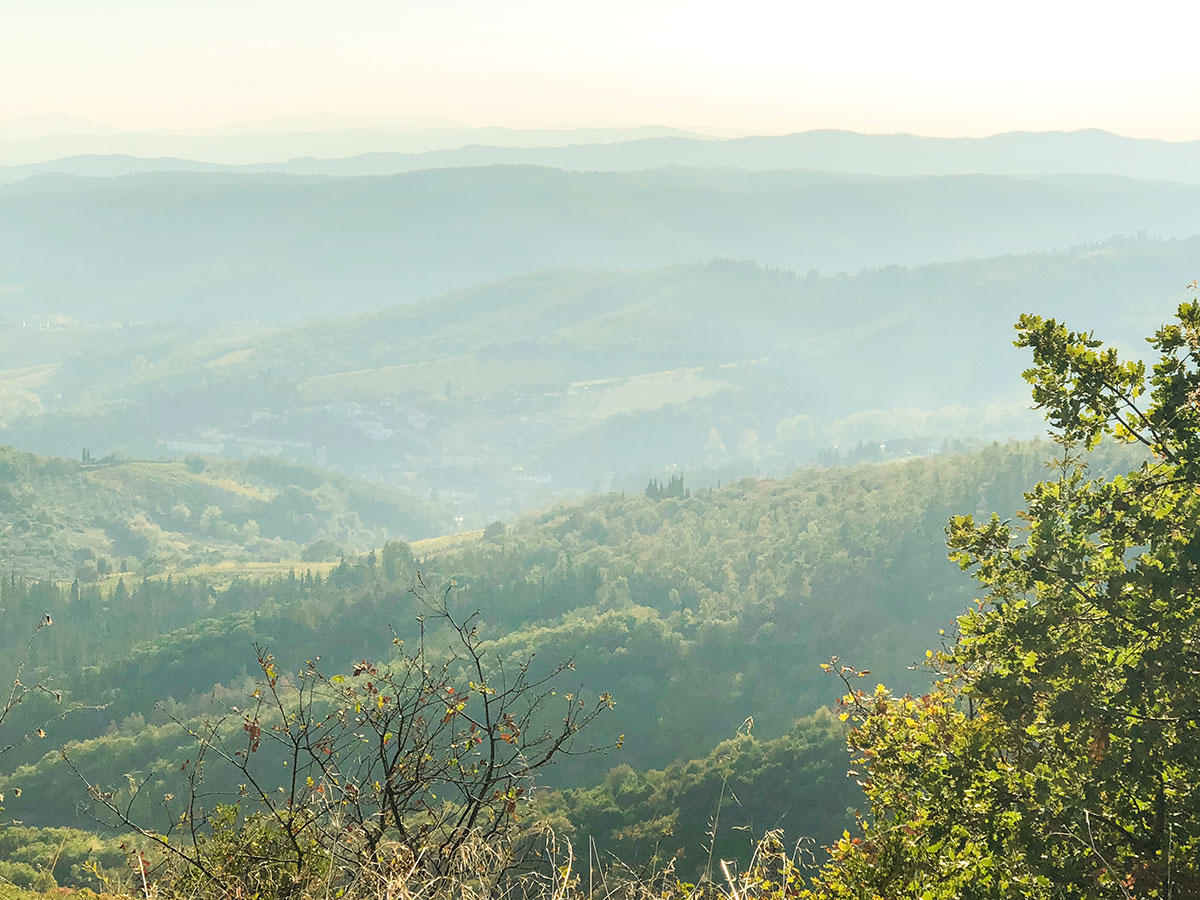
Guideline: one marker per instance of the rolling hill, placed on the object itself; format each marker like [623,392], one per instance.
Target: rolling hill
[510,394]
[62,519]
[222,248]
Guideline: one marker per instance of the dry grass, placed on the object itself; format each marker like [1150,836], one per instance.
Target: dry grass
[28,378]
[547,869]
[445,542]
[222,574]
[232,486]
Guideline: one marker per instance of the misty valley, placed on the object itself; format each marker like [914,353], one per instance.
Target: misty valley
[610,513]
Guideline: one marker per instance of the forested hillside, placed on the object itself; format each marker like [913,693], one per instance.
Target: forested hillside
[696,611]
[626,451]
[92,520]
[697,812]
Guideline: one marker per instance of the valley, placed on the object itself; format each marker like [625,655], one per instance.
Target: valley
[468,506]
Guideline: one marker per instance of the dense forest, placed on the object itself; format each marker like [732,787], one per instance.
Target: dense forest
[649,594]
[636,515]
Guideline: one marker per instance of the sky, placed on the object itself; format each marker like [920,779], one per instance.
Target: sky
[751,67]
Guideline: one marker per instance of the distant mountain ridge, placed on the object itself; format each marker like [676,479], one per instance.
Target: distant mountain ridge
[282,139]
[245,247]
[1013,153]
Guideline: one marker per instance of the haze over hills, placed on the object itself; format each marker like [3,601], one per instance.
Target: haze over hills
[252,346]
[226,248]
[483,330]
[508,394]
[644,494]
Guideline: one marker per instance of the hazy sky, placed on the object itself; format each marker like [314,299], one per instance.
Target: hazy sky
[946,68]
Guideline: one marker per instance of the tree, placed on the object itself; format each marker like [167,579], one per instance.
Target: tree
[1056,755]
[396,559]
[44,716]
[321,550]
[421,764]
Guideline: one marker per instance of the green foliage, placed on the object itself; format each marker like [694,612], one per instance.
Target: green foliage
[43,858]
[698,812]
[672,489]
[63,519]
[250,852]
[683,608]
[322,550]
[659,596]
[416,758]
[1056,755]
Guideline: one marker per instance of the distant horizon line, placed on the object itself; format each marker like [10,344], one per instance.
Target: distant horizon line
[334,123]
